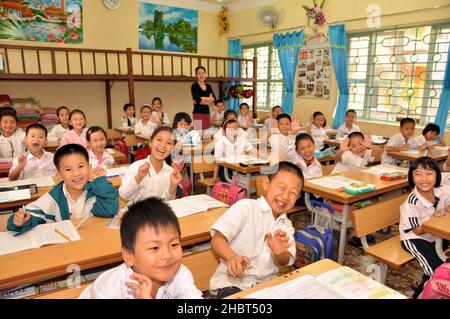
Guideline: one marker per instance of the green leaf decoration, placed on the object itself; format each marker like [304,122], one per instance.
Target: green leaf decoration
[322,4]
[305,7]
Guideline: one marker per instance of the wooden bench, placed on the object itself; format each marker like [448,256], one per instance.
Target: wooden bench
[379,216]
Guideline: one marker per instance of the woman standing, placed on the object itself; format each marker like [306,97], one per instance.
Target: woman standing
[203,96]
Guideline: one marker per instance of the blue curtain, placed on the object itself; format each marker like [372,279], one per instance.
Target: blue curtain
[234,51]
[444,101]
[338,44]
[288,46]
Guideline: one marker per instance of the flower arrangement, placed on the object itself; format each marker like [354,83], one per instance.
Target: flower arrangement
[222,18]
[315,13]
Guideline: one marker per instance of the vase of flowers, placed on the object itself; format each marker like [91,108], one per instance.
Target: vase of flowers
[315,14]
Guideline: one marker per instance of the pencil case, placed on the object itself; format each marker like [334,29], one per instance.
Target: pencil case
[359,188]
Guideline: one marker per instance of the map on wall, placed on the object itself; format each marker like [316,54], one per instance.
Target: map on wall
[57,21]
[314,68]
[167,28]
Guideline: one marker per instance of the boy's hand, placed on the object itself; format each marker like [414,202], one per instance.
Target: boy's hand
[144,289]
[21,217]
[175,178]
[405,147]
[124,114]
[22,161]
[237,264]
[278,242]
[98,171]
[142,172]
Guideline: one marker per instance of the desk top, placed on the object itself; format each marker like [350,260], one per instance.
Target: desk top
[439,227]
[437,155]
[337,195]
[126,130]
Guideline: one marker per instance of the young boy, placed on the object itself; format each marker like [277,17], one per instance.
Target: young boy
[349,126]
[37,162]
[152,254]
[218,114]
[402,141]
[128,116]
[276,110]
[11,137]
[74,197]
[254,237]
[283,135]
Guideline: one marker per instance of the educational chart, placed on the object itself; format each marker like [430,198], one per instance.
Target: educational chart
[314,68]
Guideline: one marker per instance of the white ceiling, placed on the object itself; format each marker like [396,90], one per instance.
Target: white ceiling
[220,2]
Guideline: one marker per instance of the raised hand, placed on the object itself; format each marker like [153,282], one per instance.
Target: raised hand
[144,289]
[142,172]
[278,242]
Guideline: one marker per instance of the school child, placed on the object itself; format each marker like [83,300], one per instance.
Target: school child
[74,197]
[128,116]
[430,135]
[276,110]
[253,238]
[402,141]
[349,126]
[282,132]
[302,155]
[228,115]
[217,114]
[158,116]
[230,148]
[152,254]
[244,119]
[36,162]
[11,138]
[427,200]
[183,133]
[98,156]
[152,176]
[317,130]
[77,135]
[358,154]
[58,130]
[145,126]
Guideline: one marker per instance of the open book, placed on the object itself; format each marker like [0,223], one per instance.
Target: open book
[45,234]
[39,181]
[194,204]
[339,283]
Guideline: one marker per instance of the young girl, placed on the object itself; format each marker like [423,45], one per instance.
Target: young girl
[244,119]
[152,176]
[358,153]
[98,156]
[182,132]
[158,116]
[218,114]
[229,148]
[58,130]
[11,138]
[430,135]
[428,200]
[317,130]
[128,116]
[77,135]
[228,115]
[145,127]
[303,156]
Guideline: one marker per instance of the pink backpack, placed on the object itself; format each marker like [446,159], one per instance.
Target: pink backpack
[228,193]
[121,147]
[438,287]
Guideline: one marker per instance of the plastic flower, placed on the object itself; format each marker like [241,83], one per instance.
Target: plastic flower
[315,13]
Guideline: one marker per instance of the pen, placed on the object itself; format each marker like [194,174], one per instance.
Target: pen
[62,235]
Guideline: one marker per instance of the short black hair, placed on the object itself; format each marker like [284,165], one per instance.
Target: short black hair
[301,137]
[127,105]
[350,111]
[75,112]
[157,99]
[151,212]
[8,112]
[179,117]
[36,126]
[228,112]
[62,108]
[218,101]
[226,122]
[276,106]
[284,116]
[290,167]
[161,129]
[94,129]
[431,127]
[200,67]
[67,150]
[407,120]
[355,134]
[242,104]
[146,106]
[426,163]
[318,113]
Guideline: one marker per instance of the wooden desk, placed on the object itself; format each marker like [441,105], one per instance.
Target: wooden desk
[341,197]
[51,146]
[435,154]
[439,227]
[337,142]
[118,156]
[125,130]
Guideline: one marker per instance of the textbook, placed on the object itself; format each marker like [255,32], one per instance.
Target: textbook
[45,234]
[194,204]
[38,181]
[339,283]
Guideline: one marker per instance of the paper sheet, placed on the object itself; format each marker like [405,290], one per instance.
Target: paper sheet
[412,151]
[116,171]
[380,170]
[333,182]
[12,196]
[441,148]
[40,182]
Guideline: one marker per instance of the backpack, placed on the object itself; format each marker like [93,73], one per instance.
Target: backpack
[438,287]
[315,242]
[228,193]
[142,153]
[185,186]
[121,147]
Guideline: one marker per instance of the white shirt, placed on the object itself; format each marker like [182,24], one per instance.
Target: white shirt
[217,116]
[416,210]
[343,130]
[422,140]
[397,140]
[165,118]
[245,226]
[11,147]
[220,133]
[111,285]
[268,122]
[319,135]
[187,137]
[75,206]
[242,121]
[224,149]
[153,184]
[133,121]
[56,133]
[145,130]
[279,144]
[313,170]
[350,161]
[107,161]
[36,167]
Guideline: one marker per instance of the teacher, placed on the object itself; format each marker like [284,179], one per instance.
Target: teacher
[203,96]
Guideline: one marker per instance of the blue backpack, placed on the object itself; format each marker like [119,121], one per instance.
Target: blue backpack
[315,242]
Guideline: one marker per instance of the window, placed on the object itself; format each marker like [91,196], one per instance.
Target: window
[269,87]
[398,72]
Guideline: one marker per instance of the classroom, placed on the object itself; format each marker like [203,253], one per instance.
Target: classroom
[143,141]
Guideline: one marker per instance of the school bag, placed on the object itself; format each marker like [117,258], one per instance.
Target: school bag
[142,152]
[315,241]
[185,186]
[121,147]
[438,287]
[228,193]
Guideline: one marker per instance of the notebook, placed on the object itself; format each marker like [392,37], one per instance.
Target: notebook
[40,235]
[116,171]
[39,181]
[194,204]
[340,283]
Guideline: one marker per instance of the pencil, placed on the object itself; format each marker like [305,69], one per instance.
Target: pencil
[62,235]
[82,221]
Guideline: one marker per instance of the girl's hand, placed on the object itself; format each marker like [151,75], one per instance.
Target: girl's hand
[144,289]
[142,172]
[175,178]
